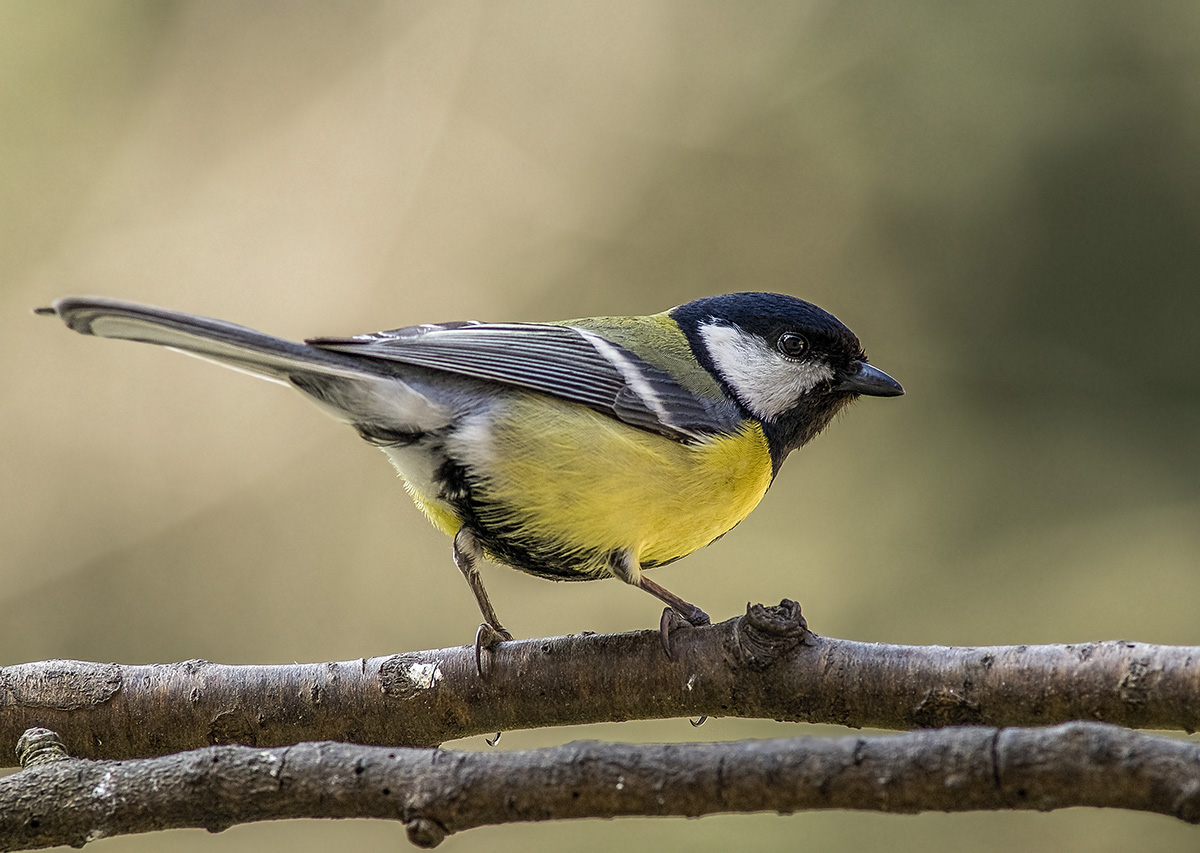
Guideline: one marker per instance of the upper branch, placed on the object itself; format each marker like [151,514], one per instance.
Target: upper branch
[762,665]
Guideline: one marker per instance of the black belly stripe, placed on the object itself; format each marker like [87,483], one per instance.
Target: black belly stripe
[501,535]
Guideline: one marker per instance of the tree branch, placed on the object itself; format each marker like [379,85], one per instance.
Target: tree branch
[762,665]
[438,792]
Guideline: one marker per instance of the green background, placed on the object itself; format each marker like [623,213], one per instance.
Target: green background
[1001,199]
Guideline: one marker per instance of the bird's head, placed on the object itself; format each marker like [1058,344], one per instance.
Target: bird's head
[788,364]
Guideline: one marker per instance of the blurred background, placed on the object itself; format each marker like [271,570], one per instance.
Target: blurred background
[1002,200]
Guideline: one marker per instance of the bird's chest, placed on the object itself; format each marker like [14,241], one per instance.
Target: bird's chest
[553,488]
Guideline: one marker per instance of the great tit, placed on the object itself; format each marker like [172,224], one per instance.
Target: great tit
[590,448]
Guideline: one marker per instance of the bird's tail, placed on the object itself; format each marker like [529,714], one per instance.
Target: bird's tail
[368,394]
[227,343]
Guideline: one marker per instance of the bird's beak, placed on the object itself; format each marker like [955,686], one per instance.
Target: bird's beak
[870,382]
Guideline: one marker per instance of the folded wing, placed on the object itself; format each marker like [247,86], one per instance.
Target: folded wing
[567,362]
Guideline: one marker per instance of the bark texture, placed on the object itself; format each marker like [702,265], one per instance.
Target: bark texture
[437,792]
[764,665]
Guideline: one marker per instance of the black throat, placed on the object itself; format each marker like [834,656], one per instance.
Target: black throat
[802,424]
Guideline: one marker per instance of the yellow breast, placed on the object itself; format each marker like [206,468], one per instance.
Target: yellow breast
[559,473]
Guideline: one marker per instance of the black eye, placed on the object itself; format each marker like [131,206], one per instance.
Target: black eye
[792,345]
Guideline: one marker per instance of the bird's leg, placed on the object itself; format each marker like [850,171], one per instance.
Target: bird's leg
[689,612]
[466,554]
[623,565]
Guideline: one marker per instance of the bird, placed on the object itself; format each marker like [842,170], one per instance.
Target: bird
[577,450]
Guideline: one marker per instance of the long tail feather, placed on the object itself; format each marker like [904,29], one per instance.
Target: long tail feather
[227,343]
[368,394]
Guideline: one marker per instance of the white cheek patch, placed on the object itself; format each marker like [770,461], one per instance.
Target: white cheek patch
[766,382]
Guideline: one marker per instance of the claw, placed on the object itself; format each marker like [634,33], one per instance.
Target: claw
[672,619]
[666,623]
[487,637]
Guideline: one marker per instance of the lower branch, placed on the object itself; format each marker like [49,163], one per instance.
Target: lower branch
[437,792]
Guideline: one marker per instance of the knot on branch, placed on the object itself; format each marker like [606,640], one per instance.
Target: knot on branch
[766,634]
[425,832]
[40,746]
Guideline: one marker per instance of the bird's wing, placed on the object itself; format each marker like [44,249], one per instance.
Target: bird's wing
[567,362]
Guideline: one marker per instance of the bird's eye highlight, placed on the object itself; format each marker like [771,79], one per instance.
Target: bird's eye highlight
[792,345]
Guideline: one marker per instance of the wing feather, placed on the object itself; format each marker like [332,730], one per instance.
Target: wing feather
[564,361]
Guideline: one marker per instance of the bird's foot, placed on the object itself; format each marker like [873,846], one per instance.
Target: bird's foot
[672,620]
[488,637]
